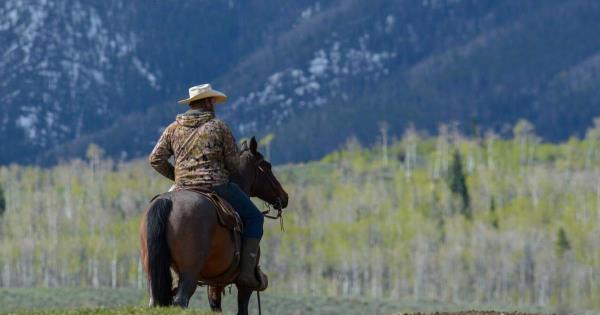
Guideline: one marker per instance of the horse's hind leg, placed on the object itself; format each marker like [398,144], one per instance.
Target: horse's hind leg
[244,295]
[187,287]
[214,298]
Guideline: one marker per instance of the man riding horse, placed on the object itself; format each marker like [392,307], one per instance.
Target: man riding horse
[206,155]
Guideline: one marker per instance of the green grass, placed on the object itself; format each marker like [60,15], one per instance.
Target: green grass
[106,301]
[119,311]
[67,298]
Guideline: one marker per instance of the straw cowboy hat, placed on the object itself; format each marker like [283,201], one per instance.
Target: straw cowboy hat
[199,92]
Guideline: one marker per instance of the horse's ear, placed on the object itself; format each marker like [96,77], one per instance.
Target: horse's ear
[244,145]
[253,145]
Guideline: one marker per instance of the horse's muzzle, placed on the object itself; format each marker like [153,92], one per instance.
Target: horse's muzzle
[284,202]
[281,202]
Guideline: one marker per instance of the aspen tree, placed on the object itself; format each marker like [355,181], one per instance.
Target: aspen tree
[265,142]
[409,141]
[383,131]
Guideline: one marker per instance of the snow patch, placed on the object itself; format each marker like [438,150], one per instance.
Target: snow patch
[309,12]
[145,72]
[390,20]
[318,65]
[27,122]
[328,75]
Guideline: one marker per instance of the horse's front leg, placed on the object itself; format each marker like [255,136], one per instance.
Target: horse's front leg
[244,295]
[214,298]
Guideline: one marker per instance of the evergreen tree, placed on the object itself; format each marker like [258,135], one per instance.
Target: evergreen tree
[458,184]
[2,201]
[494,215]
[562,243]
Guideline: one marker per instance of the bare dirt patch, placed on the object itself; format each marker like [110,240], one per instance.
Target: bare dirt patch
[474,313]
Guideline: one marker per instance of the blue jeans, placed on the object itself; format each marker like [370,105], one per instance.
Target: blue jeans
[252,218]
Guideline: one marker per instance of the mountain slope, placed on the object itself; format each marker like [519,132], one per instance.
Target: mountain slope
[72,68]
[317,73]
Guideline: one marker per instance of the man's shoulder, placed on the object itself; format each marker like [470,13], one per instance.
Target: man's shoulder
[216,122]
[169,132]
[217,125]
[171,127]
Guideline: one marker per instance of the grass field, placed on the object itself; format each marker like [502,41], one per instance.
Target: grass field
[132,301]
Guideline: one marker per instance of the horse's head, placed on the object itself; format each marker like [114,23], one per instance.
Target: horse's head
[257,179]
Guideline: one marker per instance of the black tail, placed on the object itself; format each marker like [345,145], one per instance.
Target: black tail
[159,256]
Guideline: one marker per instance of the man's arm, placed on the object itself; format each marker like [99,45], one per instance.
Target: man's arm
[230,150]
[159,158]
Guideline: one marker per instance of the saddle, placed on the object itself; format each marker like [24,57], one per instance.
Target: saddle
[228,217]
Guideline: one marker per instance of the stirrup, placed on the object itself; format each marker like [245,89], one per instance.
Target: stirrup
[263,280]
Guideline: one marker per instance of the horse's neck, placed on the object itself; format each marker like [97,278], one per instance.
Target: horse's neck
[240,181]
[243,177]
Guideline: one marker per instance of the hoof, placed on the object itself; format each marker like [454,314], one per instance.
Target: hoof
[181,303]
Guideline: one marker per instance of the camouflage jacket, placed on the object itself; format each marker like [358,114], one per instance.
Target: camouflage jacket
[204,148]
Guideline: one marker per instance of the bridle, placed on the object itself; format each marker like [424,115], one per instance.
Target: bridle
[278,206]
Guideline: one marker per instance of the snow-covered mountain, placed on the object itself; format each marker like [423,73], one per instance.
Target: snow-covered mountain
[73,72]
[70,68]
[65,71]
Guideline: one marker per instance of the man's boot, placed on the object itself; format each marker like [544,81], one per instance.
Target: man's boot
[251,276]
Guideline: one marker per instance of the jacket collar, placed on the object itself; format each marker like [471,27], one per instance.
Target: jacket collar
[198,111]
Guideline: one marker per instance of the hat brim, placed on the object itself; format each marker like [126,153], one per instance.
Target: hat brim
[219,97]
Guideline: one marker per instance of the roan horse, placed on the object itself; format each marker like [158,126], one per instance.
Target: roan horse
[180,230]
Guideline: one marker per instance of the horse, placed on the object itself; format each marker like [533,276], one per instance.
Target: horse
[180,230]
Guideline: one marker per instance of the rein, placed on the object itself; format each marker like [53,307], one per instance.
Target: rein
[279,215]
[267,213]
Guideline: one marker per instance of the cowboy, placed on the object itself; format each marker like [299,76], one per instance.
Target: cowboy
[206,155]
